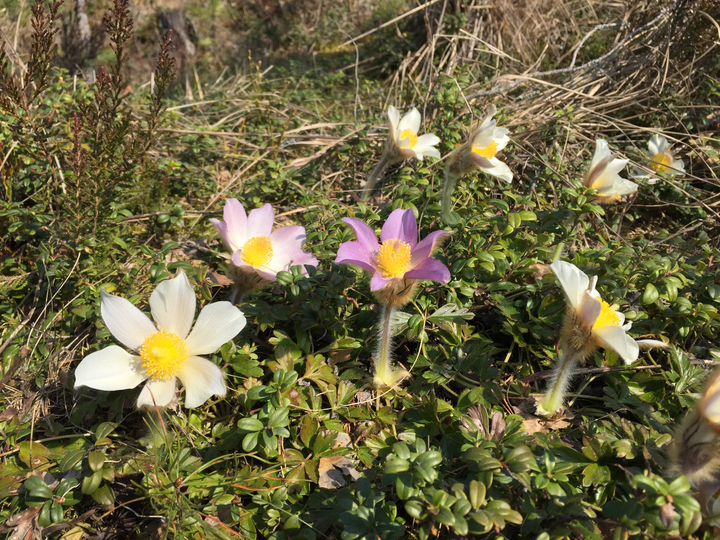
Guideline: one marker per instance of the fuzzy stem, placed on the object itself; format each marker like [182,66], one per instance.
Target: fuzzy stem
[374,175]
[558,251]
[555,395]
[385,375]
[448,188]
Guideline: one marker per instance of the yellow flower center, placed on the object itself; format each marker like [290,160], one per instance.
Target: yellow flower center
[257,252]
[411,136]
[608,316]
[660,162]
[393,258]
[489,151]
[163,355]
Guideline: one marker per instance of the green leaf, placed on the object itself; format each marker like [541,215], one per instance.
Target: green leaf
[250,424]
[650,295]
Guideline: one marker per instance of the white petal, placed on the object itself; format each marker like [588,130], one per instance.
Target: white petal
[677,167]
[394,117]
[501,140]
[410,121]
[128,324]
[430,152]
[111,368]
[499,170]
[157,393]
[601,152]
[626,187]
[173,305]
[615,338]
[483,136]
[616,165]
[654,145]
[217,324]
[651,343]
[589,310]
[201,379]
[573,281]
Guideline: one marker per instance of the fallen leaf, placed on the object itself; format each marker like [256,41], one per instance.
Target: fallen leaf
[25,524]
[538,424]
[8,413]
[219,279]
[332,470]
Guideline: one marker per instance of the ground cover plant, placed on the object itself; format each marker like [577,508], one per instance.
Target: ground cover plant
[440,280]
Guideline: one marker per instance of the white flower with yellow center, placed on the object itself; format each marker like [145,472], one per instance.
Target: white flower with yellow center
[165,353]
[662,160]
[590,322]
[485,142]
[603,175]
[404,135]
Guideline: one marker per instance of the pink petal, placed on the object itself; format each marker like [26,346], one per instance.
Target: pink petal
[365,235]
[287,238]
[260,221]
[221,226]
[235,224]
[401,224]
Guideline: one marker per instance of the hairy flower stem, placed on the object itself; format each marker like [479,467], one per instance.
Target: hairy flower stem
[374,175]
[448,188]
[563,372]
[385,375]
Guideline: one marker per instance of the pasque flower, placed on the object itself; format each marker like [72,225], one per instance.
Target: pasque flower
[590,323]
[403,142]
[695,449]
[164,353]
[603,175]
[398,260]
[397,263]
[478,152]
[258,252]
[662,159]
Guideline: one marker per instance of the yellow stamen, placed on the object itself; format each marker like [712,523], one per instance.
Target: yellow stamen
[257,252]
[411,136]
[393,258]
[608,316]
[163,355]
[660,162]
[489,151]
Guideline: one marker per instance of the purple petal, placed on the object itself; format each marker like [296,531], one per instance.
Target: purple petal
[424,249]
[355,253]
[235,224]
[365,235]
[480,161]
[429,269]
[260,221]
[378,282]
[400,224]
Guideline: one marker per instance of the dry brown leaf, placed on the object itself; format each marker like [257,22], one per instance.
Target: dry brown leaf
[538,424]
[331,471]
[219,279]
[25,525]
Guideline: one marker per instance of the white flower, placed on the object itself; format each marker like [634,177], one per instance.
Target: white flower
[165,352]
[662,160]
[603,175]
[404,134]
[486,141]
[592,322]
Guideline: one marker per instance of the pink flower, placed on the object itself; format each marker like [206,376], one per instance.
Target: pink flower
[256,247]
[398,256]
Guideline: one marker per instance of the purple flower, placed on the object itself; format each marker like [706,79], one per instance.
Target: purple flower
[398,255]
[255,246]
